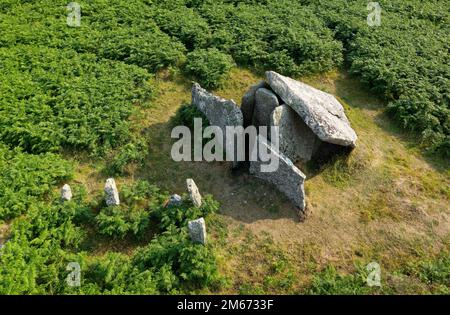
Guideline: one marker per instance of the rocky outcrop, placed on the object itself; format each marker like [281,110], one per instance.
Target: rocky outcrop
[320,111]
[193,192]
[312,125]
[111,193]
[287,177]
[197,231]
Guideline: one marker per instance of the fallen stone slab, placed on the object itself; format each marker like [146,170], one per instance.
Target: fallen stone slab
[197,231]
[248,102]
[296,140]
[111,193]
[66,193]
[287,178]
[320,111]
[219,111]
[194,194]
[265,102]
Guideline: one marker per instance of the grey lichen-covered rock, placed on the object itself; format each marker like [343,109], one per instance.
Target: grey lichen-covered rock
[66,193]
[194,194]
[287,178]
[248,102]
[321,111]
[111,193]
[296,140]
[174,200]
[197,231]
[219,111]
[265,102]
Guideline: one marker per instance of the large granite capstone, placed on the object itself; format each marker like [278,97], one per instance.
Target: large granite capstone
[320,111]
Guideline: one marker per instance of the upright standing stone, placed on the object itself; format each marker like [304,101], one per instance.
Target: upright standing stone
[197,231]
[66,193]
[297,141]
[287,177]
[248,102]
[220,112]
[194,194]
[111,193]
[265,102]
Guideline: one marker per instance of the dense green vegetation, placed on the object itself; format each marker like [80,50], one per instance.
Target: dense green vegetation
[54,234]
[405,59]
[26,179]
[73,90]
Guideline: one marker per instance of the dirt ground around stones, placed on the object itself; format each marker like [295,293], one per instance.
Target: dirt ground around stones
[388,203]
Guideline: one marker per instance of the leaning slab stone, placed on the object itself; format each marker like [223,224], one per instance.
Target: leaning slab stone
[111,193]
[175,200]
[321,111]
[297,141]
[265,102]
[194,194]
[287,177]
[219,111]
[66,193]
[197,231]
[248,102]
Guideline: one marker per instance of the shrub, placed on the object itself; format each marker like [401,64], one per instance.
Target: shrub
[52,99]
[209,66]
[401,61]
[27,178]
[129,153]
[330,282]
[185,24]
[185,116]
[180,215]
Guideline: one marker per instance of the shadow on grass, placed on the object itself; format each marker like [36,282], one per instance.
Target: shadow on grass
[357,95]
[242,197]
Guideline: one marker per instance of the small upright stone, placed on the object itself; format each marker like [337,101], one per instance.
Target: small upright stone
[197,231]
[111,193]
[174,200]
[66,193]
[194,194]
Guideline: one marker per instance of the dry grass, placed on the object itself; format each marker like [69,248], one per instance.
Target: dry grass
[387,203]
